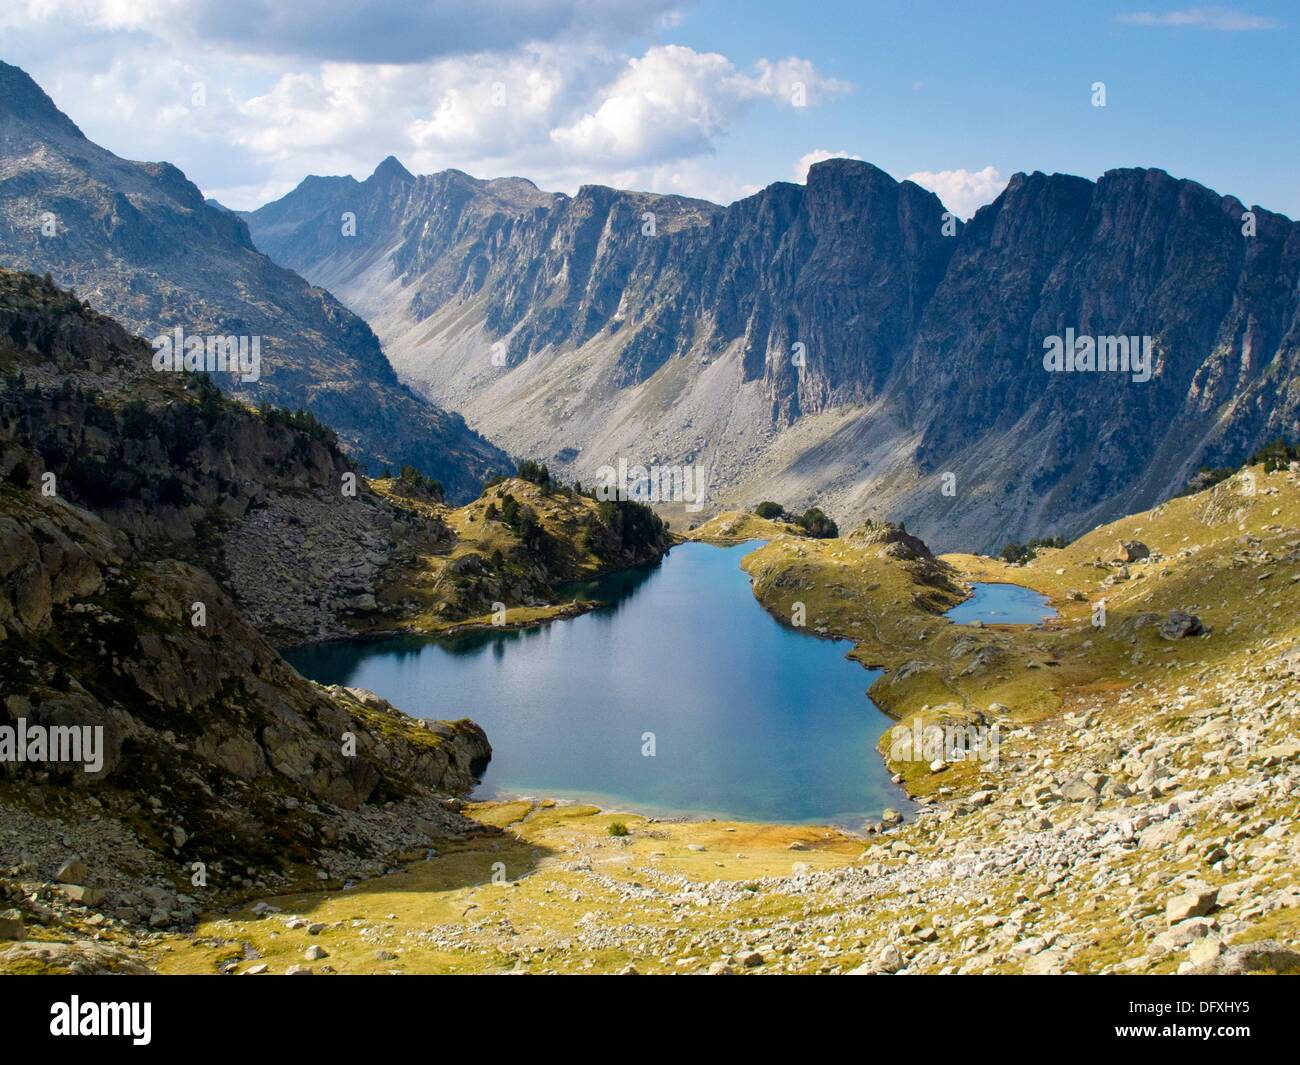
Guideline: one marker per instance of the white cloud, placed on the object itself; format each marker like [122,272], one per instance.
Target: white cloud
[689,178]
[1206,18]
[962,191]
[817,155]
[364,31]
[568,111]
[673,102]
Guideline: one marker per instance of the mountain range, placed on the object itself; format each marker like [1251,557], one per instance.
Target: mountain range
[139,242]
[845,342]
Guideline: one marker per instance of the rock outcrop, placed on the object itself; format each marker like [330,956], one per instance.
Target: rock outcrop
[199,757]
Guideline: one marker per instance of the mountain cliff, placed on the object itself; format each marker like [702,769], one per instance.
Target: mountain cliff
[218,766]
[842,342]
[140,243]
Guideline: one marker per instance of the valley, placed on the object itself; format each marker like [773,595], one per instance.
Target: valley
[1141,817]
[350,662]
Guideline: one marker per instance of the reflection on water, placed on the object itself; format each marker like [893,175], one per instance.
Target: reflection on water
[679,694]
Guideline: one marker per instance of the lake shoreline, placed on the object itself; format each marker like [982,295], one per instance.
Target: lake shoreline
[747,752]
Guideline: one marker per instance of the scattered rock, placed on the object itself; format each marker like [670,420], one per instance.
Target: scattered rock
[1180,624]
[73,871]
[1197,902]
[11,926]
[1205,951]
[1133,551]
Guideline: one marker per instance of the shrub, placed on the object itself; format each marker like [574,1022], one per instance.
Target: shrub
[768,509]
[817,524]
[509,510]
[1014,552]
[1276,455]
[534,473]
[416,485]
[617,828]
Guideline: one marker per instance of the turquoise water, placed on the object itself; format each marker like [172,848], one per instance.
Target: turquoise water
[1002,604]
[750,719]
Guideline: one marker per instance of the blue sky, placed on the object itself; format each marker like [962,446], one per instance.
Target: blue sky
[940,86]
[693,97]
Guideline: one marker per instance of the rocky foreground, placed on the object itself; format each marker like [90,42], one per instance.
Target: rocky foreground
[1141,816]
[205,767]
[1178,855]
[155,537]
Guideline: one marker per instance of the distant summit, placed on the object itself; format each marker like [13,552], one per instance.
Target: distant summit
[391,170]
[22,100]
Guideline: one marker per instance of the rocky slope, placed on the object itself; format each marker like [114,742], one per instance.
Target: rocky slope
[139,242]
[566,328]
[401,563]
[222,769]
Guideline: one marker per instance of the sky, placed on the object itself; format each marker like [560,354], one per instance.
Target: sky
[700,97]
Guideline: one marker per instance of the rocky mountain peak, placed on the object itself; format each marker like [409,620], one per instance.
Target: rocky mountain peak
[391,170]
[850,293]
[22,100]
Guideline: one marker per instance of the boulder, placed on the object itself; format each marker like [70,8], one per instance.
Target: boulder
[1079,789]
[1133,551]
[1205,951]
[1048,963]
[73,871]
[1180,624]
[1196,902]
[87,896]
[11,926]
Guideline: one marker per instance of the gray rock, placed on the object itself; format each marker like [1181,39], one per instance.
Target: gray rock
[11,926]
[73,871]
[1180,624]
[1196,902]
[1133,551]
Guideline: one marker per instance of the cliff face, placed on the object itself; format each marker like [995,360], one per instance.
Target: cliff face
[1138,253]
[118,489]
[139,242]
[921,348]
